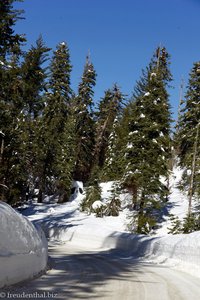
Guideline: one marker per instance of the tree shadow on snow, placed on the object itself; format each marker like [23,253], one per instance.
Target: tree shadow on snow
[88,274]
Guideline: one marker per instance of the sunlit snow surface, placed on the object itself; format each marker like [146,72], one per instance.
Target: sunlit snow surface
[65,223]
[177,204]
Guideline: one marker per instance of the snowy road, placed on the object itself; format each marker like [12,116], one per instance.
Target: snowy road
[80,274]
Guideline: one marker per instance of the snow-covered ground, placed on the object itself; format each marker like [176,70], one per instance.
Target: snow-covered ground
[23,248]
[178,202]
[65,223]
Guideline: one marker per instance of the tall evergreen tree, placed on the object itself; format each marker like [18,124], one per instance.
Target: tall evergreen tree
[58,126]
[9,40]
[33,76]
[187,135]
[10,99]
[115,162]
[148,144]
[85,125]
[110,107]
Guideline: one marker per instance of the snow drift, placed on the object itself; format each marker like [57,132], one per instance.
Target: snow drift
[23,247]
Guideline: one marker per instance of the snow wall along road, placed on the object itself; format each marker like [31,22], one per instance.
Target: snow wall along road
[23,248]
[181,251]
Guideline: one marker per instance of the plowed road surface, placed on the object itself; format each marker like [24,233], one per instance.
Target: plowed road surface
[82,274]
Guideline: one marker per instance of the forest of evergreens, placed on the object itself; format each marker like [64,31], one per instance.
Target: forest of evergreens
[50,136]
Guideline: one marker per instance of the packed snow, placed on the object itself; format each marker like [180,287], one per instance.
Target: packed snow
[129,145]
[66,223]
[23,248]
[97,204]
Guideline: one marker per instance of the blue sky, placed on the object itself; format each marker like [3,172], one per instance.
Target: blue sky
[121,36]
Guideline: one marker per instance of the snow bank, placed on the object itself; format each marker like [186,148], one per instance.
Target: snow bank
[181,251]
[23,248]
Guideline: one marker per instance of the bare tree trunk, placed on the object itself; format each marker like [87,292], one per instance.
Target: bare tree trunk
[141,213]
[190,193]
[179,105]
[97,149]
[2,148]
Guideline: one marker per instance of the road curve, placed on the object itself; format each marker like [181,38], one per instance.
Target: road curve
[82,274]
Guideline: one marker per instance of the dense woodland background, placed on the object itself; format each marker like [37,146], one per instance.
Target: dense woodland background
[50,136]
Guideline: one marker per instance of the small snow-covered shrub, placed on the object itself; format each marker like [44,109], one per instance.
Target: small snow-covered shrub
[114,202]
[93,193]
[189,224]
[176,225]
[113,207]
[98,207]
[146,223]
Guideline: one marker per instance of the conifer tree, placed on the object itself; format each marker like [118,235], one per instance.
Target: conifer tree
[85,125]
[111,165]
[187,136]
[108,137]
[10,100]
[9,40]
[147,148]
[34,79]
[33,76]
[110,107]
[58,126]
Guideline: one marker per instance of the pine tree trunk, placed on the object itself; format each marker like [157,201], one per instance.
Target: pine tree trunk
[141,213]
[2,148]
[99,143]
[40,196]
[190,193]
[179,105]
[41,190]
